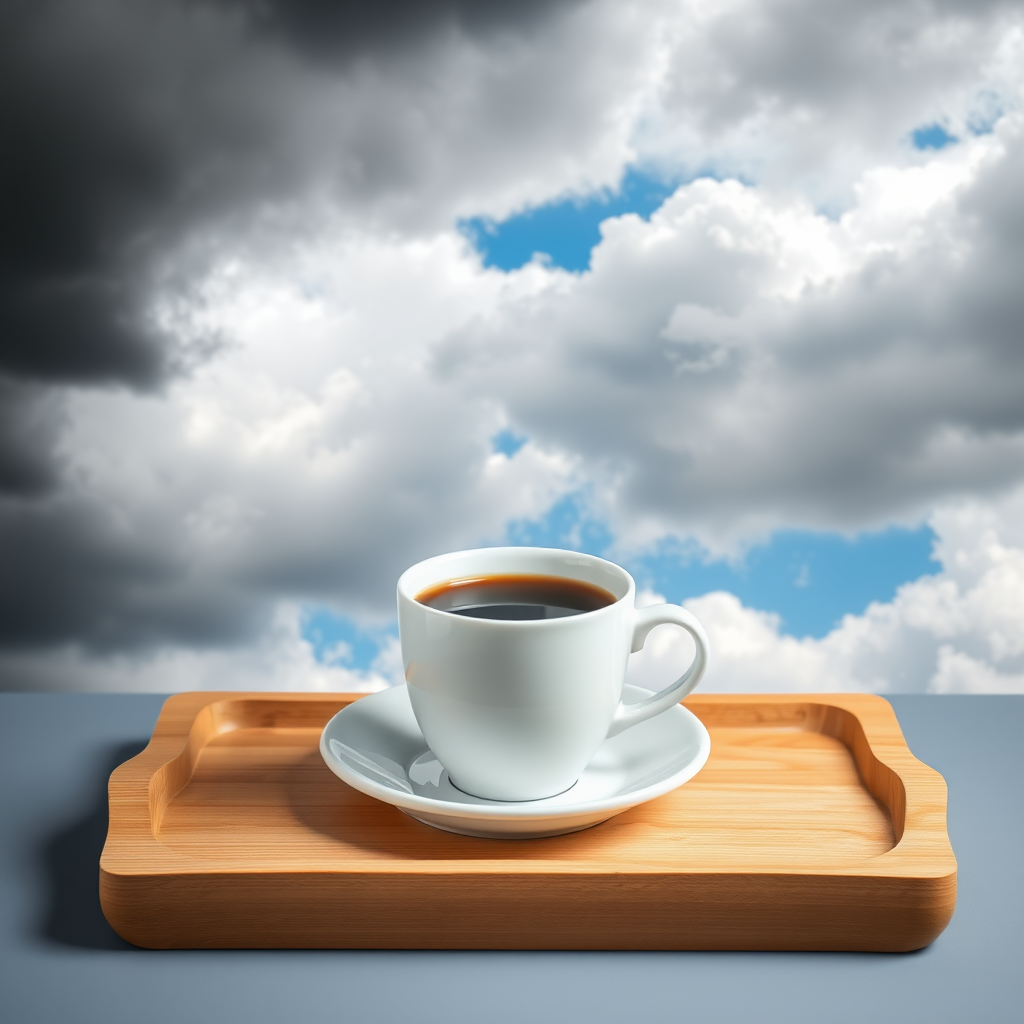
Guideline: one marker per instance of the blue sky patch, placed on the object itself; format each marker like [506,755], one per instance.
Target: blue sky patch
[507,442]
[566,525]
[810,579]
[932,136]
[565,231]
[339,640]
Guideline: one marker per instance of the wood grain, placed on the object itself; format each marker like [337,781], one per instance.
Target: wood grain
[812,826]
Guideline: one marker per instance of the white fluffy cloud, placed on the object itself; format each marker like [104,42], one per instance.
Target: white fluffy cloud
[742,362]
[808,95]
[314,458]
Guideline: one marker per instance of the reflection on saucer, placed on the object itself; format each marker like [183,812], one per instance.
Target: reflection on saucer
[426,769]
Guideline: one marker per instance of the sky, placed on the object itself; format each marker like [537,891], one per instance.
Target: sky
[293,295]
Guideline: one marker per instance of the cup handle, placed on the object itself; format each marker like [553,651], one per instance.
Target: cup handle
[646,619]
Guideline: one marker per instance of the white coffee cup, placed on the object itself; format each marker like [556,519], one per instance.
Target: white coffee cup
[516,709]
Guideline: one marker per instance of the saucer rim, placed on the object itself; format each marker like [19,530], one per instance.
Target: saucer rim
[498,810]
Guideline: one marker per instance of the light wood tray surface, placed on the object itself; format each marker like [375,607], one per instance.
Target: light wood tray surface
[812,826]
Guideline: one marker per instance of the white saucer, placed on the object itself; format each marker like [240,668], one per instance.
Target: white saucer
[376,746]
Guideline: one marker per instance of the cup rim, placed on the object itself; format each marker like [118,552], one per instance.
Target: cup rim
[407,592]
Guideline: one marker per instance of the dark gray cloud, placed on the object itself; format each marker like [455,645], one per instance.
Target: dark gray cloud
[70,573]
[131,130]
[332,31]
[30,422]
[90,183]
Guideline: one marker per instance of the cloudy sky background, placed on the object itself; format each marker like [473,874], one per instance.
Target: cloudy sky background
[293,296]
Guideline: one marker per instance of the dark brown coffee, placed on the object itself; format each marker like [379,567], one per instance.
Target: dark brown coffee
[515,596]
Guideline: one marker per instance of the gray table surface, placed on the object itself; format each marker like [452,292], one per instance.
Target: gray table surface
[60,961]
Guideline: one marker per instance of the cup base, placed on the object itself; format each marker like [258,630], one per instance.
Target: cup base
[497,800]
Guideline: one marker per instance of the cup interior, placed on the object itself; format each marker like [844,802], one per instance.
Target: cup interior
[540,561]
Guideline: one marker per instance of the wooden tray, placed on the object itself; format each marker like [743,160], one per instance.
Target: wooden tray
[811,827]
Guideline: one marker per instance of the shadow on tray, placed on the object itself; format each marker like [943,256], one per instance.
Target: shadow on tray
[71,860]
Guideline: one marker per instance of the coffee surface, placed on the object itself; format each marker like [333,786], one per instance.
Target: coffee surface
[517,597]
